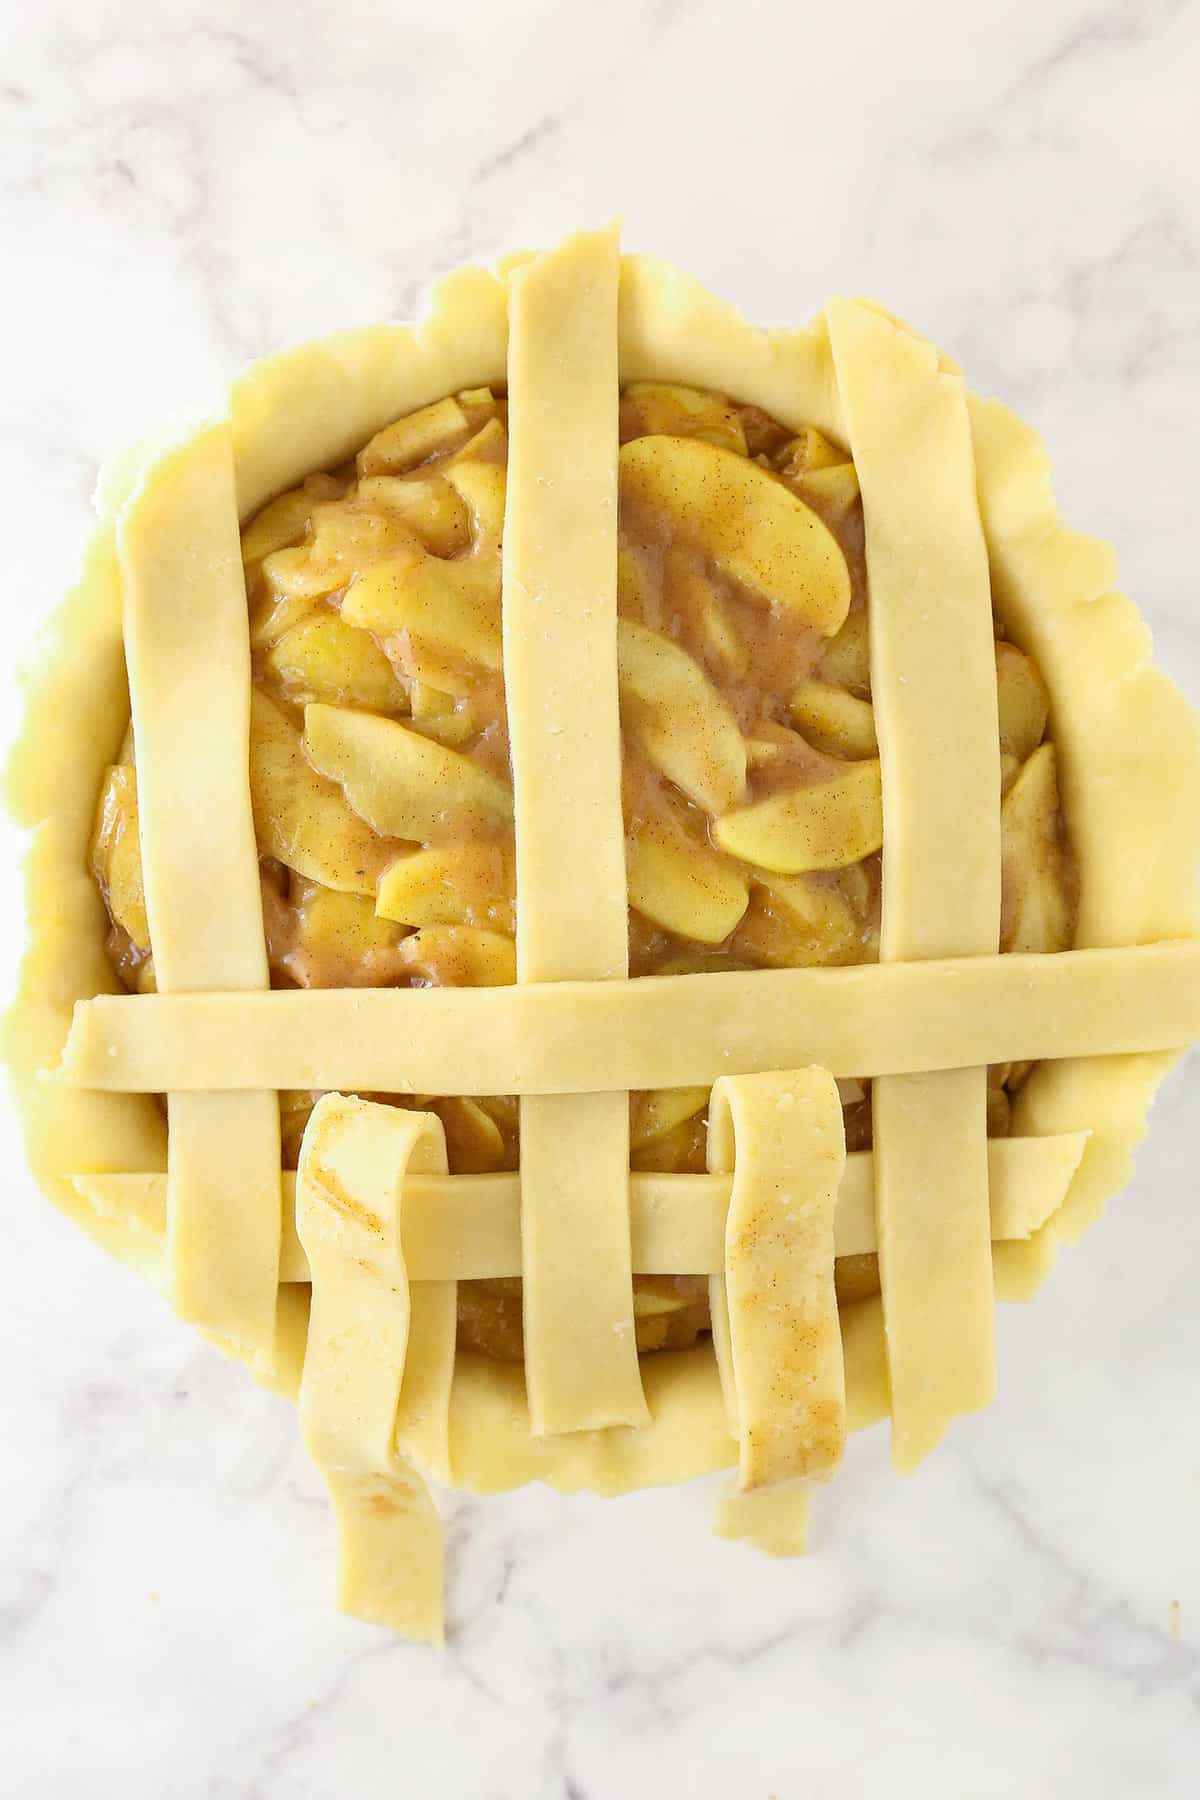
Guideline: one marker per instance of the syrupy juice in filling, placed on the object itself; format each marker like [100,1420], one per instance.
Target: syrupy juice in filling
[380,773]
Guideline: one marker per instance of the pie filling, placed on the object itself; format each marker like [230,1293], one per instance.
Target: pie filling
[751,779]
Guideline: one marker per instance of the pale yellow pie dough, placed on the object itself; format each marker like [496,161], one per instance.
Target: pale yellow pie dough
[362,1355]
[661,1031]
[188,659]
[774,1306]
[933,678]
[1103,1021]
[560,673]
[468,1227]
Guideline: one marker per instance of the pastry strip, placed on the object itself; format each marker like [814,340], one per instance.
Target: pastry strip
[933,684]
[560,672]
[773,1519]
[349,1202]
[188,654]
[668,1031]
[774,1308]
[468,1227]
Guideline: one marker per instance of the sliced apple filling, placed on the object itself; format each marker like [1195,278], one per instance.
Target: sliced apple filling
[379,769]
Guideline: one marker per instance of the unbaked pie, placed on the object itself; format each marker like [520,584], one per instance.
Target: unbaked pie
[605,880]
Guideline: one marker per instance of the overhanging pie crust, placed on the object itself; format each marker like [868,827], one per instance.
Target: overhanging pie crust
[974,486]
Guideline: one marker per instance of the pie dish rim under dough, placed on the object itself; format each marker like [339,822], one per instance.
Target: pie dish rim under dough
[1052,589]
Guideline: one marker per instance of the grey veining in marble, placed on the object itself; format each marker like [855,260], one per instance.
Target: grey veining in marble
[183,187]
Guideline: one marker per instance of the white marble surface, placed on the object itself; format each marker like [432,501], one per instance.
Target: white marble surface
[186,186]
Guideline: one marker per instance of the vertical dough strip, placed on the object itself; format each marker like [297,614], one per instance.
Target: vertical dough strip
[560,671]
[933,683]
[187,648]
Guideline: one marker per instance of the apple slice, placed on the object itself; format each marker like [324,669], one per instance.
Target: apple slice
[453,607]
[347,539]
[479,404]
[412,440]
[825,825]
[810,450]
[322,658]
[752,526]
[427,504]
[690,591]
[658,407]
[681,885]
[799,921]
[285,520]
[481,486]
[404,785]
[673,712]
[459,956]
[451,884]
[1023,701]
[846,660]
[340,940]
[1038,912]
[117,853]
[474,1141]
[657,1111]
[300,818]
[830,492]
[439,713]
[489,445]
[833,720]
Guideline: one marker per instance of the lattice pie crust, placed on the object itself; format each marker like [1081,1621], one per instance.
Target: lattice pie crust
[959,517]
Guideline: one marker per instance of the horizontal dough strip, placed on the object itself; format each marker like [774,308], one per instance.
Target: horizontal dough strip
[663,1031]
[468,1227]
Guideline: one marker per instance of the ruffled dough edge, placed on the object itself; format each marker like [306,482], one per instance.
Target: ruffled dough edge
[1052,588]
